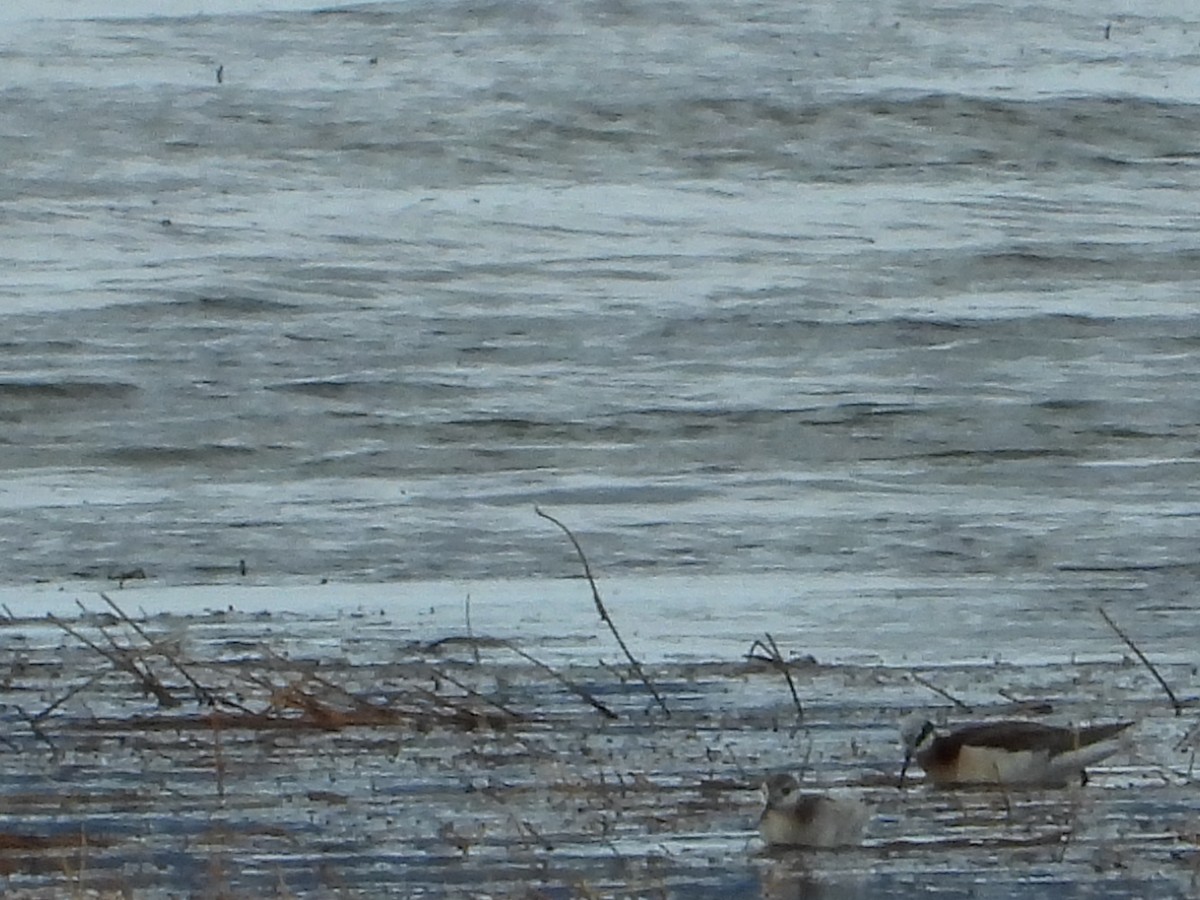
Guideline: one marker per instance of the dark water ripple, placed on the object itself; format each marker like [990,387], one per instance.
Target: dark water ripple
[1037,442]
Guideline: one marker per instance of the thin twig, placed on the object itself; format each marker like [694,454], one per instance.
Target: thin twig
[37,731]
[804,763]
[470,636]
[218,756]
[775,658]
[787,674]
[621,674]
[562,679]
[447,710]
[1026,707]
[1142,656]
[77,689]
[924,682]
[587,571]
[80,865]
[470,691]
[1188,736]
[152,648]
[537,835]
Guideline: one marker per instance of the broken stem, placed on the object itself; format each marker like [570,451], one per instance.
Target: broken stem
[775,658]
[587,571]
[1142,656]
[924,682]
[562,679]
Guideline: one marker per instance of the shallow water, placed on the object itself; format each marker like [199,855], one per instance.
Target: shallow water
[870,326]
[391,750]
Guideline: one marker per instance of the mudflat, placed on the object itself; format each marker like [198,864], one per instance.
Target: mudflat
[380,743]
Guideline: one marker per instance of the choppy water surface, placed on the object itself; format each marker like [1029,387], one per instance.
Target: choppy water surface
[738,288]
[893,300]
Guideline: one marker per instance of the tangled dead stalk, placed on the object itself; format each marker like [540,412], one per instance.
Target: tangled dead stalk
[203,694]
[292,696]
[125,659]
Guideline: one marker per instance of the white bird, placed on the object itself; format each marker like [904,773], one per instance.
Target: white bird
[793,818]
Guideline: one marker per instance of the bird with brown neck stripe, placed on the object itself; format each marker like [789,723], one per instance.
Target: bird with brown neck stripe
[1011,752]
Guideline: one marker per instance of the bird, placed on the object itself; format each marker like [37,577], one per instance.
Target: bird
[1007,752]
[794,818]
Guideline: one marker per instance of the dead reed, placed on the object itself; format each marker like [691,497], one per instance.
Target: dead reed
[1178,707]
[604,616]
[774,657]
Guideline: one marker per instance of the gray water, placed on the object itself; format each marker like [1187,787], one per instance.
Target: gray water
[870,325]
[893,288]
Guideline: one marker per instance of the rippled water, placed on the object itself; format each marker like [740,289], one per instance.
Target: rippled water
[744,287]
[893,300]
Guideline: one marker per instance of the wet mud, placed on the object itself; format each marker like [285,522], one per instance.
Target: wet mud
[232,754]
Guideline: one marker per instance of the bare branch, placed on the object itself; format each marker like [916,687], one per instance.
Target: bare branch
[607,619]
[1142,656]
[775,658]
[562,679]
[924,682]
